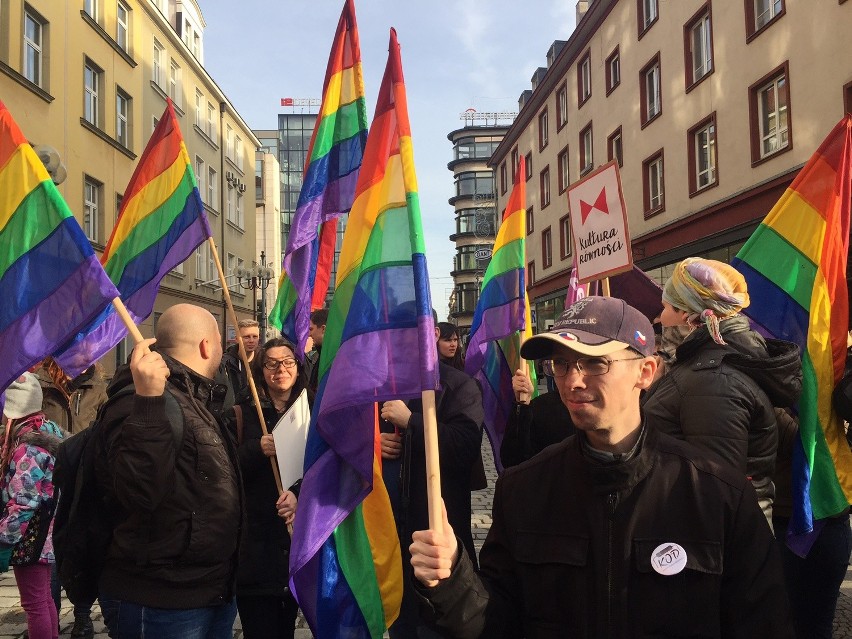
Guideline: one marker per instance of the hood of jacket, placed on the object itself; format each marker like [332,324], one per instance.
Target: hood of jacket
[774,365]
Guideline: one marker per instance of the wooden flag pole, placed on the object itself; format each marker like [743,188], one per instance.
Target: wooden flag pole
[121,309]
[244,358]
[605,287]
[433,468]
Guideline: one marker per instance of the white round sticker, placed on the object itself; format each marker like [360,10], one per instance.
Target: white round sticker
[668,558]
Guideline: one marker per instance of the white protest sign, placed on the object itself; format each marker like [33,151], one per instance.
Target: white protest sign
[599,225]
[290,435]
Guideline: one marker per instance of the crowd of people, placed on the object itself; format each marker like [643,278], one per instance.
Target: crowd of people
[647,494]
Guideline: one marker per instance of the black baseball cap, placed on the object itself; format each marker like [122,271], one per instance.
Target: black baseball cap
[595,326]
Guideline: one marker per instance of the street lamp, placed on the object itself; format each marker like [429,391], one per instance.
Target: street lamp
[257,278]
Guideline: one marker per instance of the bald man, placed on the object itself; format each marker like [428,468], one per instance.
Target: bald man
[170,481]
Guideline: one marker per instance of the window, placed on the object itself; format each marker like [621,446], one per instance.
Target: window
[514,163]
[503,178]
[91,207]
[473,183]
[530,220]
[698,45]
[238,152]
[92,77]
[175,87]
[229,142]
[769,106]
[156,121]
[157,64]
[199,109]
[565,236]
[229,204]
[200,174]
[528,164]
[761,13]
[119,198]
[211,188]
[546,248]
[122,26]
[542,130]
[211,122]
[653,184]
[122,117]
[561,106]
[562,166]
[91,7]
[652,104]
[586,156]
[613,71]
[34,28]
[544,187]
[530,274]
[648,13]
[584,79]
[847,98]
[238,217]
[702,155]
[614,150]
[205,267]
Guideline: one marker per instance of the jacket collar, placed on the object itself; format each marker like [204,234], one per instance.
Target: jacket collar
[619,476]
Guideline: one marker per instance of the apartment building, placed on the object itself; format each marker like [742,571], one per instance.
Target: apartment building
[89,79]
[710,109]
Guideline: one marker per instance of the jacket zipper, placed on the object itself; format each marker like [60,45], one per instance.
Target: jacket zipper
[612,500]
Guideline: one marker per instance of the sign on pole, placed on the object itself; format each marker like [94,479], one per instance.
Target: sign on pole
[599,225]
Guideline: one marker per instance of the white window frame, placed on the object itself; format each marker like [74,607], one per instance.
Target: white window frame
[212,187]
[614,71]
[91,97]
[92,9]
[653,98]
[655,184]
[562,166]
[765,11]
[157,70]
[229,142]
[199,109]
[122,26]
[200,176]
[586,79]
[587,159]
[34,72]
[211,122]
[702,52]
[229,205]
[239,221]
[175,84]
[122,118]
[649,11]
[562,106]
[773,137]
[238,151]
[705,153]
[91,207]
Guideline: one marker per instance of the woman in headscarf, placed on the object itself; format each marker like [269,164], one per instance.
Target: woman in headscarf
[725,378]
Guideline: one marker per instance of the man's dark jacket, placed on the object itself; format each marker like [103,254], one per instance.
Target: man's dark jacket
[722,398]
[237,373]
[177,511]
[570,552]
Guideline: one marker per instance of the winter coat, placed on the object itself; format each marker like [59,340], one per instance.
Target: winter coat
[572,542]
[237,373]
[28,483]
[722,398]
[533,427]
[177,511]
[78,411]
[265,551]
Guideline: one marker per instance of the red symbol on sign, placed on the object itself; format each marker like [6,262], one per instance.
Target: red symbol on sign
[286,101]
[600,205]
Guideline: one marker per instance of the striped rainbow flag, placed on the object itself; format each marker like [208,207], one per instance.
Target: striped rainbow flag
[795,267]
[379,344]
[161,222]
[502,318]
[51,282]
[331,171]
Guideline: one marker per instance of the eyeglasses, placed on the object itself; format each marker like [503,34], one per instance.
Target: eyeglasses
[274,364]
[589,366]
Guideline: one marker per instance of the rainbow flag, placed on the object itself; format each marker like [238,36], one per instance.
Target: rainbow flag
[795,267]
[160,224]
[502,318]
[379,344]
[51,282]
[331,171]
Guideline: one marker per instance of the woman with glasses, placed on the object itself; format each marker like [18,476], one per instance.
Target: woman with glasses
[449,345]
[266,607]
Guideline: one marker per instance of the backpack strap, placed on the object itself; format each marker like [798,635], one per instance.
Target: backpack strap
[238,414]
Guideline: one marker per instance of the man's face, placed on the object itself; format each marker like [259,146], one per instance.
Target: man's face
[605,406]
[250,336]
[316,333]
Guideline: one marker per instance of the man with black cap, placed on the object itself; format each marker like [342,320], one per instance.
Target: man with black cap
[618,531]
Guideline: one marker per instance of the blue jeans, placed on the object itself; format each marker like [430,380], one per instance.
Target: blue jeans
[127,620]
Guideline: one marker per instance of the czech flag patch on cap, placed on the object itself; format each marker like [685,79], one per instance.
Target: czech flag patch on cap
[640,339]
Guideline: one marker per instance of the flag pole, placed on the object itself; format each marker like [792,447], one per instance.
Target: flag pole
[433,468]
[121,309]
[244,357]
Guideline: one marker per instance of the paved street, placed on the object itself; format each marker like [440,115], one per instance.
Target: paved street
[13,620]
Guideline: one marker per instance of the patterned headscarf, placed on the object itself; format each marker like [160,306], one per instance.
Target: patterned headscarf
[710,291]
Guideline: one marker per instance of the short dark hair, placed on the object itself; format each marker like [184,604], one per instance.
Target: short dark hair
[320,317]
[447,330]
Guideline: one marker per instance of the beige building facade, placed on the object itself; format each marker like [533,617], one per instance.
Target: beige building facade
[709,107]
[90,79]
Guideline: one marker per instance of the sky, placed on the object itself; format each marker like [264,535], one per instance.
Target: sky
[455,55]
